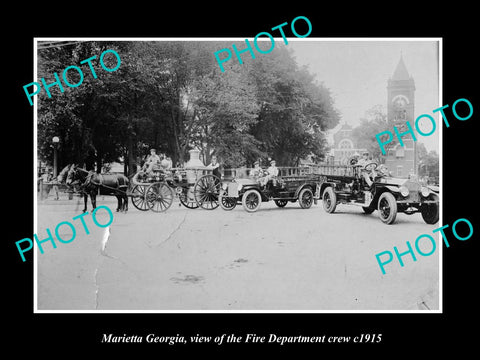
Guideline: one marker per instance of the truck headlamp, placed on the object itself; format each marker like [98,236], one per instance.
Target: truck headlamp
[404,191]
[425,191]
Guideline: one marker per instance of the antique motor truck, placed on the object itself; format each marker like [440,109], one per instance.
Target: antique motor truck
[290,185]
[388,195]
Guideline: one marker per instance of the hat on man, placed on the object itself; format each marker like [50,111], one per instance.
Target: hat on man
[256,162]
[272,162]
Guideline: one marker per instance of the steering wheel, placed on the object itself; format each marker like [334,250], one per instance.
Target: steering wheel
[371,166]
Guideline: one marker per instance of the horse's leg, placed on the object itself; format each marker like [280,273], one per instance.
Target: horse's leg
[119,203]
[93,198]
[125,202]
[85,199]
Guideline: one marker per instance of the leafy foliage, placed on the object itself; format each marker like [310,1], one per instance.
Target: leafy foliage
[374,122]
[173,97]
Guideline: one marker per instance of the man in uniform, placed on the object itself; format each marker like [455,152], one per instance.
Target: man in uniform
[272,170]
[152,160]
[257,171]
[362,163]
[215,166]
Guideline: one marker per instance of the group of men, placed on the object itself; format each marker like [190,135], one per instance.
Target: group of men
[153,161]
[263,176]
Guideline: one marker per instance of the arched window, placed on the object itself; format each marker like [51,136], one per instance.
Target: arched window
[399,151]
[345,144]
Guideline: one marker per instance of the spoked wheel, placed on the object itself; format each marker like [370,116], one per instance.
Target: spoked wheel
[251,200]
[281,203]
[305,198]
[159,197]
[227,203]
[138,197]
[206,192]
[387,208]
[187,199]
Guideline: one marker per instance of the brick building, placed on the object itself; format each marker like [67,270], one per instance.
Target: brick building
[344,145]
[401,160]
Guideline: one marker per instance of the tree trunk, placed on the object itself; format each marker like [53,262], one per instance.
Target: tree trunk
[99,162]
[131,157]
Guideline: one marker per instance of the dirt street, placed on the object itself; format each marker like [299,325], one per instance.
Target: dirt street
[274,259]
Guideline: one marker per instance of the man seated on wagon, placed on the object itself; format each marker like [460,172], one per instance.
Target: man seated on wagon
[272,173]
[152,162]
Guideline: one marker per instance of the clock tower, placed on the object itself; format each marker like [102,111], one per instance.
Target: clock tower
[401,160]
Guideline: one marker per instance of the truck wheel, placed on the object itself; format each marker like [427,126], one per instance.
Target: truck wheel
[227,203]
[329,200]
[251,200]
[387,208]
[430,213]
[305,198]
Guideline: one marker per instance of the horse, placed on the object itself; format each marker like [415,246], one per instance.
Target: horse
[90,182]
[62,176]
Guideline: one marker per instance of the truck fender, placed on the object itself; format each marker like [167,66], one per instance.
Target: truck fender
[301,187]
[394,189]
[324,185]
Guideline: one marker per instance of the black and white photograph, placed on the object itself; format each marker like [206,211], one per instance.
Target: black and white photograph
[207,179]
[254,183]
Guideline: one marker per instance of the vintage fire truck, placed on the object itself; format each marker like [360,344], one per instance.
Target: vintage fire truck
[292,184]
[388,195]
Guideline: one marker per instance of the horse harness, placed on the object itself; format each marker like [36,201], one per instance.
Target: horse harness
[114,182]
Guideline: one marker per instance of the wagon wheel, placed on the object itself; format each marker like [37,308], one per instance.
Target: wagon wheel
[159,197]
[187,200]
[138,197]
[206,191]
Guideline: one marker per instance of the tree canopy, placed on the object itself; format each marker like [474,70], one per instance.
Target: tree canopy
[171,95]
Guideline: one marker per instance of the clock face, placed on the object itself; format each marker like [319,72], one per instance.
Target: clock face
[400,101]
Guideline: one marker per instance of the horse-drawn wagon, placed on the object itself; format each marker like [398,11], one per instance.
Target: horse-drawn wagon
[195,187]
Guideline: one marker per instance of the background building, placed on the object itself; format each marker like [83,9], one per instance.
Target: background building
[401,160]
[344,145]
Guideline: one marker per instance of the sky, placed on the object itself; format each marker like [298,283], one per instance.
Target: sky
[356,72]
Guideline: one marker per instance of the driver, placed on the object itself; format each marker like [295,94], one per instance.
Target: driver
[366,174]
[257,171]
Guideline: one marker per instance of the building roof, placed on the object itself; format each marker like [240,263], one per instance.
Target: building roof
[401,72]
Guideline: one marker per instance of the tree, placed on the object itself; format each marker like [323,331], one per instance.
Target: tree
[374,122]
[294,109]
[171,96]
[428,162]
